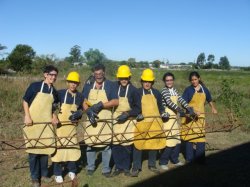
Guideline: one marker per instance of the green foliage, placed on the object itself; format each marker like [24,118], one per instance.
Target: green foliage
[224,63]
[201,59]
[21,58]
[210,58]
[156,63]
[75,54]
[41,61]
[230,98]
[94,56]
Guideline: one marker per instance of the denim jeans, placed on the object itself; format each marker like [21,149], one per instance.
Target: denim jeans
[71,166]
[170,153]
[121,155]
[197,154]
[91,157]
[137,158]
[38,166]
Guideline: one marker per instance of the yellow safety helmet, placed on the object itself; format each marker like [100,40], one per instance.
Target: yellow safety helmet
[123,72]
[147,75]
[73,76]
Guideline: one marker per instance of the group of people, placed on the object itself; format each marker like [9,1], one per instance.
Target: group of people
[145,120]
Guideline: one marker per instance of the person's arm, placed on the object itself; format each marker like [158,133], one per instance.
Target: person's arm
[27,117]
[211,104]
[209,100]
[111,103]
[166,96]
[135,104]
[159,101]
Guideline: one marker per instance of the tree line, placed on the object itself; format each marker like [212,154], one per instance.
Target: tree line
[23,58]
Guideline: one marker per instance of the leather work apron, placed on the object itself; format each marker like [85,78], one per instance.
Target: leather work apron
[145,137]
[99,135]
[42,134]
[193,130]
[123,133]
[67,145]
[171,127]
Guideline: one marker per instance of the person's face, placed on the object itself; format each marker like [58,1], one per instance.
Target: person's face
[195,81]
[147,85]
[99,76]
[169,81]
[124,81]
[50,77]
[72,86]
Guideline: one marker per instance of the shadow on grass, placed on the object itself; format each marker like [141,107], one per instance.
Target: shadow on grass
[230,167]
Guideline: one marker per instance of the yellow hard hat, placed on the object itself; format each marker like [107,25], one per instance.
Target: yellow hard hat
[73,76]
[147,75]
[123,72]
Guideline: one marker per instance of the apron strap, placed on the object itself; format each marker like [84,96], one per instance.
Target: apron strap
[102,85]
[126,90]
[150,91]
[65,97]
[41,90]
[202,88]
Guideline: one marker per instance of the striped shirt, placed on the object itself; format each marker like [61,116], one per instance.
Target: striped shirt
[166,94]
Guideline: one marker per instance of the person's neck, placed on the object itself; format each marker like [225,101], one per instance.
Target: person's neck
[98,84]
[71,92]
[47,82]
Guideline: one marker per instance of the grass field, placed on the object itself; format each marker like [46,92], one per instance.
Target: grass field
[11,115]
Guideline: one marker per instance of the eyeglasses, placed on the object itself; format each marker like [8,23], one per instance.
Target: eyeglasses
[169,80]
[52,74]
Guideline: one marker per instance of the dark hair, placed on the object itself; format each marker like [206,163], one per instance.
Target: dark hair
[98,66]
[49,68]
[168,74]
[196,74]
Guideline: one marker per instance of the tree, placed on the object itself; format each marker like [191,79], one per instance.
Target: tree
[210,58]
[40,61]
[21,57]
[156,63]
[2,47]
[224,63]
[94,56]
[201,59]
[75,54]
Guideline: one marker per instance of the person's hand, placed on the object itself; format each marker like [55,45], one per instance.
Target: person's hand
[92,116]
[54,120]
[75,115]
[191,111]
[97,107]
[123,117]
[165,116]
[139,118]
[214,111]
[27,120]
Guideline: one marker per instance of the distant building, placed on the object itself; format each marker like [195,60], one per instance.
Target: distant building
[79,64]
[176,66]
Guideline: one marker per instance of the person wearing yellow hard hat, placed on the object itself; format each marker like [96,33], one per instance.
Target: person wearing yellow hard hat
[148,131]
[38,102]
[129,106]
[68,149]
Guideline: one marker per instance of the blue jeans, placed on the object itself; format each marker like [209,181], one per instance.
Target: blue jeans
[71,166]
[170,153]
[197,154]
[91,157]
[121,155]
[137,158]
[38,166]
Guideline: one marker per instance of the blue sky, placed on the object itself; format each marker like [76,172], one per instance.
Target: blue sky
[177,30]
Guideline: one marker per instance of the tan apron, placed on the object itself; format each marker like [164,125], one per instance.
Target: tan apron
[193,130]
[42,134]
[101,134]
[149,133]
[68,148]
[171,127]
[123,133]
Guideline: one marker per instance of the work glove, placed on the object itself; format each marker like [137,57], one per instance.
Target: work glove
[96,108]
[191,111]
[123,117]
[181,112]
[165,116]
[92,116]
[139,118]
[75,115]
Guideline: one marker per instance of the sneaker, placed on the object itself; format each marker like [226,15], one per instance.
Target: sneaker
[72,175]
[46,180]
[179,164]
[90,172]
[154,169]
[58,179]
[164,167]
[107,175]
[35,183]
[117,172]
[134,173]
